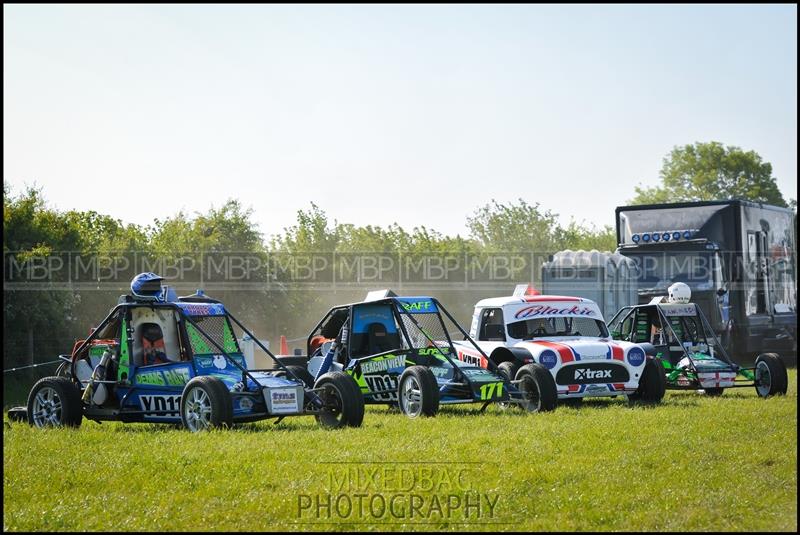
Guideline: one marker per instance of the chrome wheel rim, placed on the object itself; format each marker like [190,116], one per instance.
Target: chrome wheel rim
[47,408]
[763,379]
[411,397]
[197,410]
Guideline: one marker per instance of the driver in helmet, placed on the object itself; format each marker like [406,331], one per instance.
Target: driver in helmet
[679,293]
[153,349]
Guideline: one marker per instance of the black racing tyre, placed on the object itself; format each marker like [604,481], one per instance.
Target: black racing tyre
[343,402]
[206,403]
[300,372]
[538,388]
[56,402]
[714,392]
[652,384]
[508,369]
[418,392]
[771,376]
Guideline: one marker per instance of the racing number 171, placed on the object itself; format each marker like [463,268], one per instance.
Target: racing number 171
[491,390]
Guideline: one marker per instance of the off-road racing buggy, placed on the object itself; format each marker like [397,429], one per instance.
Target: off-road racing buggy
[678,332]
[401,353]
[161,358]
[566,336]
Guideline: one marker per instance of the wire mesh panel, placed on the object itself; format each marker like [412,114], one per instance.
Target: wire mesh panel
[218,328]
[425,330]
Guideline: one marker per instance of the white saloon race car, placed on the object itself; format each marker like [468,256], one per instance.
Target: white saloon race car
[568,337]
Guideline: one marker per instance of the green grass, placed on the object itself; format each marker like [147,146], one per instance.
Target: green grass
[693,463]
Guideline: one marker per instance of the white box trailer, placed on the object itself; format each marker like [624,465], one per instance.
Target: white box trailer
[608,279]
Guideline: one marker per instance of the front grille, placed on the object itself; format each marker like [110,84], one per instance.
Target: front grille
[586,373]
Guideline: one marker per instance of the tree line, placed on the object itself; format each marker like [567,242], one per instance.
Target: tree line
[37,325]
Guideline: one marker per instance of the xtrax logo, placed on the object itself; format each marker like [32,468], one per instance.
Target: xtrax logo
[582,374]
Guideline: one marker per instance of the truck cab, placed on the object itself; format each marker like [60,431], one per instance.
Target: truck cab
[738,258]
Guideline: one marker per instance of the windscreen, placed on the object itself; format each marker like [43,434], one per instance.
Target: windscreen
[658,270]
[556,326]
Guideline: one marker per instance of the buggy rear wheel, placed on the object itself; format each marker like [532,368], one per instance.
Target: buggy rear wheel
[418,392]
[55,402]
[206,404]
[508,369]
[771,376]
[652,384]
[343,403]
[538,388]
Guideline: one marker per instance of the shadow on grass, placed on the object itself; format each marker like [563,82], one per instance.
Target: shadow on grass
[588,405]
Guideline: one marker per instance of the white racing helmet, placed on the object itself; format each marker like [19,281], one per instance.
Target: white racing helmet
[679,293]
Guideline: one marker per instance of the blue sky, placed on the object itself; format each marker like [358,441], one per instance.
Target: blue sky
[381,114]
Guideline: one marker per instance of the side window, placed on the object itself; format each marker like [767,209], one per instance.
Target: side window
[492,325]
[622,330]
[647,329]
[756,271]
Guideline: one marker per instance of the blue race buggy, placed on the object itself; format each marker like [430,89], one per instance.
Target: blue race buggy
[160,358]
[400,352]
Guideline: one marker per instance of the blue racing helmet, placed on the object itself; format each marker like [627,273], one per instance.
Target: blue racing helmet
[146,286]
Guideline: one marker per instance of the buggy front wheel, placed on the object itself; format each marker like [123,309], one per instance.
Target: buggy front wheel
[538,388]
[771,376]
[342,401]
[418,392]
[55,402]
[205,404]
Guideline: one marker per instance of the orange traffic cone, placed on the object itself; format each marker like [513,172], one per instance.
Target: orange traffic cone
[284,346]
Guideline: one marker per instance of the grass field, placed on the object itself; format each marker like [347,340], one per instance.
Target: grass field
[693,463]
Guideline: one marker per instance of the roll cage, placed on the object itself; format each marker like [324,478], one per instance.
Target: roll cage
[184,319]
[692,333]
[401,310]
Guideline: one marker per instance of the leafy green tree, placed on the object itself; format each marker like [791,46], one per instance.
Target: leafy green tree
[313,233]
[577,237]
[520,227]
[709,172]
[34,320]
[228,228]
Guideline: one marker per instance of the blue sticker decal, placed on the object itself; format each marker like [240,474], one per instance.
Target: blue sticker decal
[636,356]
[202,309]
[418,305]
[548,359]
[363,315]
